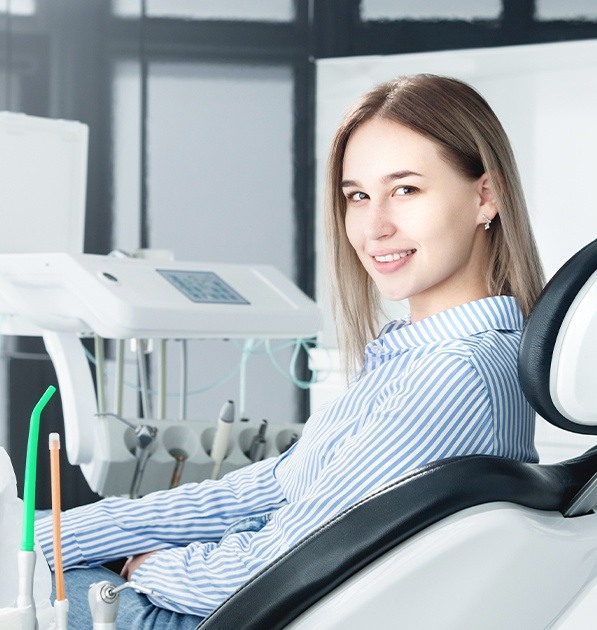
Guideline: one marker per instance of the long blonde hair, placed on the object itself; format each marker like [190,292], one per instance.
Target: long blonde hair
[470,138]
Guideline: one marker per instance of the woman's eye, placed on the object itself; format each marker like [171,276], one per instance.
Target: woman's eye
[357,196]
[402,191]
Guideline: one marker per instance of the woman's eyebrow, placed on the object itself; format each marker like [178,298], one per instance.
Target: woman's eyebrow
[386,178]
[399,175]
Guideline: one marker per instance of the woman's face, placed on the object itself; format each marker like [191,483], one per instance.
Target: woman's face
[414,221]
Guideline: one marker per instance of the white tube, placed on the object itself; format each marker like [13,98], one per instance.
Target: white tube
[242,391]
[222,437]
[25,602]
[61,612]
[182,414]
[119,377]
[100,365]
[143,379]
[162,370]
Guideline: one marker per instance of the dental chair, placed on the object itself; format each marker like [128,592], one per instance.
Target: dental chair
[469,542]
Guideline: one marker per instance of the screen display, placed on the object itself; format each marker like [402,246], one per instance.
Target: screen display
[203,286]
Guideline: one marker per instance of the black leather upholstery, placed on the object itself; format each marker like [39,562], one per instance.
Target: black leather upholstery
[541,331]
[366,531]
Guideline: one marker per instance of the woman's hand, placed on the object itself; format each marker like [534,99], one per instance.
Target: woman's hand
[133,563]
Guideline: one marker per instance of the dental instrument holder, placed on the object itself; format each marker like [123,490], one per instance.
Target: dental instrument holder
[64,297]
[106,449]
[106,446]
[114,463]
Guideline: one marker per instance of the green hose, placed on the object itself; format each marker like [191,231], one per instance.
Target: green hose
[28,541]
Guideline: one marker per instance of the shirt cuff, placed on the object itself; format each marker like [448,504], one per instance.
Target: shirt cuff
[44,535]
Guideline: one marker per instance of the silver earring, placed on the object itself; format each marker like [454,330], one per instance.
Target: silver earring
[487,222]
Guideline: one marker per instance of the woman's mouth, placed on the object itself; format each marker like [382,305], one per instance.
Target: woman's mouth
[387,263]
[395,256]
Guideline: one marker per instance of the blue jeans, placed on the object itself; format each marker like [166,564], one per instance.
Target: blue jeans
[135,611]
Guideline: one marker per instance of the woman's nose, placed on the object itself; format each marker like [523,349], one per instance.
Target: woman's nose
[379,223]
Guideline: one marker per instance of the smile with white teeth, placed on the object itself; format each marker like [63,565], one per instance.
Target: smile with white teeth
[396,256]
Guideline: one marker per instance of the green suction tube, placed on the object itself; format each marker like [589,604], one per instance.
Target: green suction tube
[28,540]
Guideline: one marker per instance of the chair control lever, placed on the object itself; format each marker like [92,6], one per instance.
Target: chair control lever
[585,501]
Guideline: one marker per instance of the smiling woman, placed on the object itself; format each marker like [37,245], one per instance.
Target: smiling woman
[419,170]
[407,220]
[415,230]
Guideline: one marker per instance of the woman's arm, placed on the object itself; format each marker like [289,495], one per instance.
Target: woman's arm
[117,527]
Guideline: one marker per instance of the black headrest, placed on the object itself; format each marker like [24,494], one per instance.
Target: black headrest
[541,331]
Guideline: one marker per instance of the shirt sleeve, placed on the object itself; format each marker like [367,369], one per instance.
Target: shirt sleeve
[116,527]
[439,409]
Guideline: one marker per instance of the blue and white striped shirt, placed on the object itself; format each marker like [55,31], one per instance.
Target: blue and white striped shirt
[441,387]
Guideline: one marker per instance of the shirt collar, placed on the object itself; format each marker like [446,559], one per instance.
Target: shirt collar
[493,313]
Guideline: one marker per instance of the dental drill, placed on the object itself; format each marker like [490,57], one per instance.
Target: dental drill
[104,600]
[293,438]
[103,604]
[258,443]
[181,457]
[145,438]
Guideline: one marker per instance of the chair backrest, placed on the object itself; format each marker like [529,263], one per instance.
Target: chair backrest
[557,358]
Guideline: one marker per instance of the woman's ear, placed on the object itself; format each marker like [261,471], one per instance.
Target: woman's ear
[487,200]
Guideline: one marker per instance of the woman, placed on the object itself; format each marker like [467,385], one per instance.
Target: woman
[425,204]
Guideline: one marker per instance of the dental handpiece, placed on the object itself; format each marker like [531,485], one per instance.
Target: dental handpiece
[293,438]
[145,437]
[103,605]
[222,437]
[181,457]
[257,448]
[103,598]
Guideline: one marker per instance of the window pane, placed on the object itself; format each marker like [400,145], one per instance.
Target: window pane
[220,161]
[256,10]
[213,129]
[569,10]
[430,10]
[18,7]
[127,155]
[11,91]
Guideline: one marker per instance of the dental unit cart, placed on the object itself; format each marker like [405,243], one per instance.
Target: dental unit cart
[68,297]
